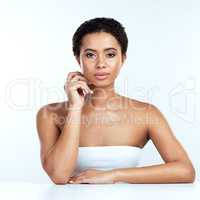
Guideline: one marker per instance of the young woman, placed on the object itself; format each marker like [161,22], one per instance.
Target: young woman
[97,135]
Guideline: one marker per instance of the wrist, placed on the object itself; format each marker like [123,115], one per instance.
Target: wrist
[75,107]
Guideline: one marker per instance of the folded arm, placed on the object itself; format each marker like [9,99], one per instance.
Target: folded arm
[177,167]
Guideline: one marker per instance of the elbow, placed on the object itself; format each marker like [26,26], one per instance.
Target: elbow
[57,178]
[191,175]
[188,174]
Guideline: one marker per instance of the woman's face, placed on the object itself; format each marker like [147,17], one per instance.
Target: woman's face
[100,52]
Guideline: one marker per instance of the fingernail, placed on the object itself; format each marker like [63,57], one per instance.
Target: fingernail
[71,181]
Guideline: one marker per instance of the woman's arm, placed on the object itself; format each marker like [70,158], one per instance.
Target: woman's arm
[177,167]
[58,150]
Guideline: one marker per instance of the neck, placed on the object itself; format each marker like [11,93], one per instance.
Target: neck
[101,97]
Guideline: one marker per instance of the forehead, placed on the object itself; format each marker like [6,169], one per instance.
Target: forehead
[99,41]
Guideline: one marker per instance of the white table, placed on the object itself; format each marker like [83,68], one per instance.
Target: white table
[28,191]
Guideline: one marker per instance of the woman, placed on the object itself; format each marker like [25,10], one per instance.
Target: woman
[97,135]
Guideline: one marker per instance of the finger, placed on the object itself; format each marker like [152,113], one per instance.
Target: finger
[69,76]
[86,180]
[86,85]
[83,84]
[81,78]
[72,74]
[77,177]
[82,173]
[73,77]
[72,180]
[81,181]
[79,85]
[77,78]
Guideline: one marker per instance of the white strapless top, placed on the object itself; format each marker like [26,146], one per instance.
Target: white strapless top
[107,157]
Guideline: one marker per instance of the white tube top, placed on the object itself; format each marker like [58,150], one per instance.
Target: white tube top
[107,157]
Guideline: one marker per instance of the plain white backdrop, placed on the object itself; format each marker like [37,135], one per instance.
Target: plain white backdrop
[162,68]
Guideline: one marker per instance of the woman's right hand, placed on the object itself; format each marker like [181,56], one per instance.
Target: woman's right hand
[76,88]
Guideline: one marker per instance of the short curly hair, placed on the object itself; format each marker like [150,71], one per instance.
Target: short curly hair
[100,24]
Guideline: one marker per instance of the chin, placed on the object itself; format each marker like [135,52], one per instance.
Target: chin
[101,84]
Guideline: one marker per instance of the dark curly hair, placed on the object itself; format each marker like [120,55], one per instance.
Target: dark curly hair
[100,24]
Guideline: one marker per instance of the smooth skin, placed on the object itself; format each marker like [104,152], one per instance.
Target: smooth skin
[66,126]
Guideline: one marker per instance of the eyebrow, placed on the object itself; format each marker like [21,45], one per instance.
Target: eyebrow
[88,49]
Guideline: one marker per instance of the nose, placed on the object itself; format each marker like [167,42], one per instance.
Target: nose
[101,62]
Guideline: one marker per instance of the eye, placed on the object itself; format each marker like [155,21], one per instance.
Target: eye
[111,55]
[89,55]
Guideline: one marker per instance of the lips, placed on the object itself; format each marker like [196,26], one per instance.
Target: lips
[101,76]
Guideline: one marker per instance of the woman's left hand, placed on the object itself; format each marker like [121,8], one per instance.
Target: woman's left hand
[93,176]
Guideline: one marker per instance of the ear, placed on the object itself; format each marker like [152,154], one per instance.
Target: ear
[123,58]
[78,59]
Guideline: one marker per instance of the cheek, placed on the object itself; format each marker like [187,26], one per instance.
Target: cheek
[87,64]
[115,71]
[114,62]
[115,66]
[87,69]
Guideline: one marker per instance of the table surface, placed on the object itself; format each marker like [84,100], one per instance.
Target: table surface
[25,190]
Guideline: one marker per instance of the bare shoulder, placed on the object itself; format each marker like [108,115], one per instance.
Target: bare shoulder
[136,106]
[142,107]
[147,115]
[54,107]
[55,111]
[48,130]
[137,111]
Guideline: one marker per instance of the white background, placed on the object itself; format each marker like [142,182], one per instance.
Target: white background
[36,56]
